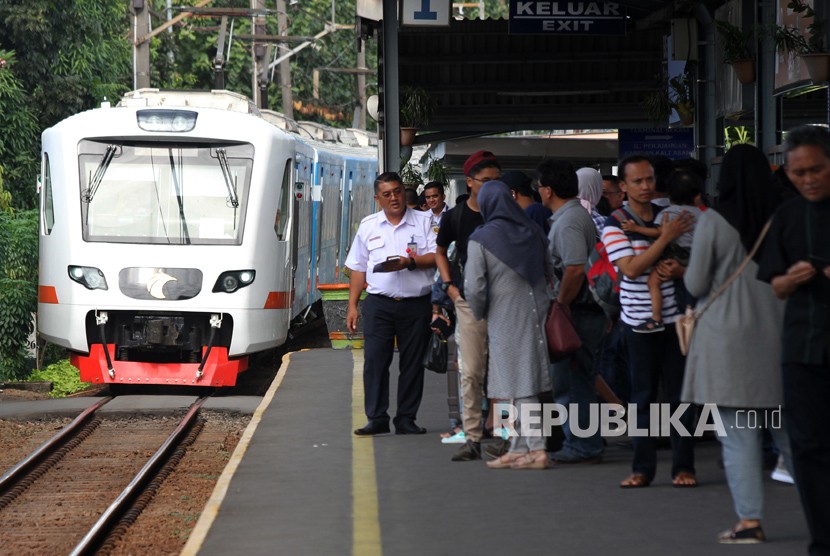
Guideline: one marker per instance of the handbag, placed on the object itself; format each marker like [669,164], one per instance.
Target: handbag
[435,357]
[685,323]
[560,332]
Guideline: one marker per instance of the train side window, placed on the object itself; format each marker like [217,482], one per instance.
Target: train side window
[283,212]
[47,204]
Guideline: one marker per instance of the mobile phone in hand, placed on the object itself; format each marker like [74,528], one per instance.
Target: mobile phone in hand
[819,263]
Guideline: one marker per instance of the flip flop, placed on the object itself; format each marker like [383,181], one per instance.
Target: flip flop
[684,479]
[635,480]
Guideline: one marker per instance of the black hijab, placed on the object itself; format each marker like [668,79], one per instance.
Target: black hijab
[747,197]
[509,234]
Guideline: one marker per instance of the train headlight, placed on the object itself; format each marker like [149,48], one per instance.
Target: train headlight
[232,280]
[88,276]
[167,120]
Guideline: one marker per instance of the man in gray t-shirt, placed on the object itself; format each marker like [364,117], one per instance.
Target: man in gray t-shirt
[572,235]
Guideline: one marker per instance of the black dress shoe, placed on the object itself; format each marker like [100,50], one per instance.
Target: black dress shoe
[372,428]
[409,427]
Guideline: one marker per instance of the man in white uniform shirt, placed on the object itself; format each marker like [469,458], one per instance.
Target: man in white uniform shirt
[394,254]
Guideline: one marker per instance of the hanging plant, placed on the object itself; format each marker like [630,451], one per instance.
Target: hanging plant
[438,171]
[416,107]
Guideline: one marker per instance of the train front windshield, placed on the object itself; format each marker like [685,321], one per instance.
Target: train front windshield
[164,193]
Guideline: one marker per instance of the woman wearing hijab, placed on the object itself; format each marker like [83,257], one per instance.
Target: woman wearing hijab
[590,193]
[734,357]
[506,281]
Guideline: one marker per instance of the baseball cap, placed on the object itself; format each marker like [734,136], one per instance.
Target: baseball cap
[477,158]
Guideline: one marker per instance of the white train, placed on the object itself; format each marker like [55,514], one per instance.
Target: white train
[184,231]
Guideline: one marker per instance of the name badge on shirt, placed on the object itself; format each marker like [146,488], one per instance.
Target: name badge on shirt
[374,243]
[412,247]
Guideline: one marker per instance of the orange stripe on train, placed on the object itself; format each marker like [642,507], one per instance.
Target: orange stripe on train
[278,300]
[47,294]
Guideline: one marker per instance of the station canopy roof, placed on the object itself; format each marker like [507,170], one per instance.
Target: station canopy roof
[485,80]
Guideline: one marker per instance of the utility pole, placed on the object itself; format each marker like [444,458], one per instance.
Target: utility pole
[141,49]
[259,77]
[285,66]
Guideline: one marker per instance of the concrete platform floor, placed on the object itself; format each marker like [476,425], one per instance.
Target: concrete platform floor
[302,483]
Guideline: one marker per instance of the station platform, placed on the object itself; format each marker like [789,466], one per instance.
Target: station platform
[301,483]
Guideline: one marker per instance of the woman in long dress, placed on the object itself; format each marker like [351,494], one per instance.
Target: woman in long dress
[734,357]
[507,281]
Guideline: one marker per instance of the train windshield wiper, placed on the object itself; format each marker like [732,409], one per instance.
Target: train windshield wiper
[97,178]
[226,173]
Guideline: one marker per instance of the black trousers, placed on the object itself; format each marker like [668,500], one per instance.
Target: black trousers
[806,391]
[385,319]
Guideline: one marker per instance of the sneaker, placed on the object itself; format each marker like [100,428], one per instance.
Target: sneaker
[649,327]
[781,474]
[457,438]
[501,432]
[568,457]
[751,535]
[496,449]
[470,451]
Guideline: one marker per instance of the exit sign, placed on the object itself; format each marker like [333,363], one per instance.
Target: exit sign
[426,13]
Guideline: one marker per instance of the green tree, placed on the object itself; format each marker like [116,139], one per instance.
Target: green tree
[70,56]
[18,289]
[184,58]
[19,137]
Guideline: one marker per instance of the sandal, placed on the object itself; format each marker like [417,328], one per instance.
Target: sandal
[635,480]
[532,460]
[505,461]
[684,479]
[750,535]
[649,326]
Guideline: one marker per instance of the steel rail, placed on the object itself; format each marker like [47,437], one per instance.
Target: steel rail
[98,533]
[13,476]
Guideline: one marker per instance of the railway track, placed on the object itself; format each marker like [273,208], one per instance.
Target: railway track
[79,491]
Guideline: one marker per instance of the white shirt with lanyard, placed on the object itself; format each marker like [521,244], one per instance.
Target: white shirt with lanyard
[377,239]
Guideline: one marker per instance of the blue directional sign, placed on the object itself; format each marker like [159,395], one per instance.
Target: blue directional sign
[676,144]
[432,13]
[566,18]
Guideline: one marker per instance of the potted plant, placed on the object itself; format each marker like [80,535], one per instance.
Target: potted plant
[811,48]
[814,47]
[737,50]
[411,177]
[437,170]
[657,106]
[415,112]
[681,97]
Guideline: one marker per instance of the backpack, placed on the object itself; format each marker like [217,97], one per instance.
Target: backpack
[602,276]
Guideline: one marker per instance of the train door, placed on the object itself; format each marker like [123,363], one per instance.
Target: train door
[331,173]
[286,228]
[302,227]
[343,243]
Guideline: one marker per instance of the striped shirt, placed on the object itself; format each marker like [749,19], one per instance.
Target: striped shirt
[635,299]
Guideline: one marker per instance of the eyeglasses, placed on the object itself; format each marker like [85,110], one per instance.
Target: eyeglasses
[483,180]
[391,193]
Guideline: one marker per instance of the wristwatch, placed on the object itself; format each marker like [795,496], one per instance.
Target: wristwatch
[411,265]
[445,285]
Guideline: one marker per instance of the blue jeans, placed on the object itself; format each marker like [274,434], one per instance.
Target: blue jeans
[654,358]
[613,363]
[573,383]
[742,449]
